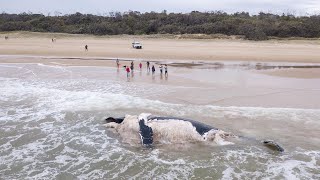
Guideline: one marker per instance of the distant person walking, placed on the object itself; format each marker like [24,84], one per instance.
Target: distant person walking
[148,66]
[160,67]
[166,70]
[132,66]
[6,37]
[153,69]
[140,66]
[118,63]
[128,71]
[86,47]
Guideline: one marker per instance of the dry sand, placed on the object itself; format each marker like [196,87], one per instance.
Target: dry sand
[39,44]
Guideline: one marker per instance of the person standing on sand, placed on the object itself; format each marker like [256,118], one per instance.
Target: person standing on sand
[132,66]
[118,64]
[160,67]
[86,47]
[128,71]
[166,70]
[153,69]
[148,66]
[140,66]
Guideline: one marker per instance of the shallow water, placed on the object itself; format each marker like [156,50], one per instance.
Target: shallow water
[51,120]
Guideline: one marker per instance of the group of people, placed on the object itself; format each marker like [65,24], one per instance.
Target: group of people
[153,69]
[128,70]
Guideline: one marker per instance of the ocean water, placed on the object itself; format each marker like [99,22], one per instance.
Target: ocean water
[52,127]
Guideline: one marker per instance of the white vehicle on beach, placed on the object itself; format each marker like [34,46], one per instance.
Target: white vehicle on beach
[137,45]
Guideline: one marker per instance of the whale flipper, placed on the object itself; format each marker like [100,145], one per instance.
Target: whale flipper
[145,133]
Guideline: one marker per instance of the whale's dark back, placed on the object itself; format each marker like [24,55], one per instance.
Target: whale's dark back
[201,128]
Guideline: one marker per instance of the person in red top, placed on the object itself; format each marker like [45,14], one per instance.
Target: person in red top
[128,71]
[140,66]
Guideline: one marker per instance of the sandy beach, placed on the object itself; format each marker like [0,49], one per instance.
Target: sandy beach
[160,48]
[68,50]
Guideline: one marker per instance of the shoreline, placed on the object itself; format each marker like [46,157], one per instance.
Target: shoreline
[225,87]
[278,69]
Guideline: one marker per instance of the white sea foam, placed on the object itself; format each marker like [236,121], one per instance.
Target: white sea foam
[59,99]
[291,168]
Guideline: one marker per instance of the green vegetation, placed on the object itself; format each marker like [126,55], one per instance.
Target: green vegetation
[252,27]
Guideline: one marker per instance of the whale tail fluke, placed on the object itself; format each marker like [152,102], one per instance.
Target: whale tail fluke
[272,145]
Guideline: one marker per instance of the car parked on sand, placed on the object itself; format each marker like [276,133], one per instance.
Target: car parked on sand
[137,45]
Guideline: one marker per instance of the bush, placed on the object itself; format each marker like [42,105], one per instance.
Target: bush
[256,27]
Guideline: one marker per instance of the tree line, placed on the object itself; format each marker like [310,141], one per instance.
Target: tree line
[252,27]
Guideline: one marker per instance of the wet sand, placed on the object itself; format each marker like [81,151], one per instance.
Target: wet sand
[308,73]
[221,84]
[40,44]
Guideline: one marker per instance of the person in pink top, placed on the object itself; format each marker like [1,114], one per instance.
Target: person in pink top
[128,71]
[140,66]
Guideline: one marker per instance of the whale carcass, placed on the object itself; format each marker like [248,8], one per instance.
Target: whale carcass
[150,130]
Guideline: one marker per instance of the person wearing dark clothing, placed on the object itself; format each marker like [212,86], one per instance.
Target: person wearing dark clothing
[166,70]
[86,47]
[160,67]
[153,69]
[148,65]
[132,66]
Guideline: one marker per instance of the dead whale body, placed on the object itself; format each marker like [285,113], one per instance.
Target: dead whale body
[150,130]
